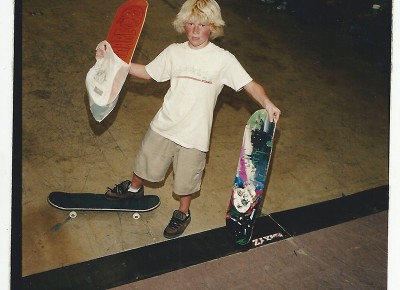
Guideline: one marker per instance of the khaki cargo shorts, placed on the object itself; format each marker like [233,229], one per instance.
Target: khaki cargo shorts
[156,155]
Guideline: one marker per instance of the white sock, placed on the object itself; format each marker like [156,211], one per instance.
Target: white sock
[133,189]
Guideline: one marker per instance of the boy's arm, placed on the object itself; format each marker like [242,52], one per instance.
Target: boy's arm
[257,92]
[139,71]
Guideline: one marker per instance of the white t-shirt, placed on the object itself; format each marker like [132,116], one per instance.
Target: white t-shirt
[197,77]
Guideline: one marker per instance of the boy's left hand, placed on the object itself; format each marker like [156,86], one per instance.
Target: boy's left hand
[257,92]
[273,112]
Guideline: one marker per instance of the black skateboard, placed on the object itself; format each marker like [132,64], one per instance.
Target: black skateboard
[98,202]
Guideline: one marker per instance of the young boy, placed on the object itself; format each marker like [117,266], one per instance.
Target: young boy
[179,134]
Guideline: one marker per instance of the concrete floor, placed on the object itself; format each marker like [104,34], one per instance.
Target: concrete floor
[332,138]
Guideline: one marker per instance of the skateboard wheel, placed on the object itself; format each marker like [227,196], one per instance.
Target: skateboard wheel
[73,214]
[136,216]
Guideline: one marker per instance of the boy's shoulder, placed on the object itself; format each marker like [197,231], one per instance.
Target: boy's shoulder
[219,50]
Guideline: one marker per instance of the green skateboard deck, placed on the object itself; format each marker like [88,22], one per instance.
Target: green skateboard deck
[251,174]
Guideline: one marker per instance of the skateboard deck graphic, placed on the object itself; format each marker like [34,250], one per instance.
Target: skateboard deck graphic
[251,174]
[126,28]
[99,202]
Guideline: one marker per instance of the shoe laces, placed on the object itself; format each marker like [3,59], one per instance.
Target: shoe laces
[175,223]
[118,189]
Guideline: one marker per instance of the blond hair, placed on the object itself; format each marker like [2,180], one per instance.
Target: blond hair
[206,11]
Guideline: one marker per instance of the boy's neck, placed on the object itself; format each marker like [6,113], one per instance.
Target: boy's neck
[197,47]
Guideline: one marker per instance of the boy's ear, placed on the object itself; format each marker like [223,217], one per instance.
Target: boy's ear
[212,29]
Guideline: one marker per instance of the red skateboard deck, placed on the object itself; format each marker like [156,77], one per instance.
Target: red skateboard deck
[126,28]
[106,78]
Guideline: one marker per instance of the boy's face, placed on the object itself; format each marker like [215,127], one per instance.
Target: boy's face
[198,33]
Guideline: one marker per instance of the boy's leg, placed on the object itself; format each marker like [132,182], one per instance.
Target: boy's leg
[184,203]
[188,168]
[136,182]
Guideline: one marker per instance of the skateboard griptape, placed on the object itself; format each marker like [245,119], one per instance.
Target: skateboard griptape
[92,201]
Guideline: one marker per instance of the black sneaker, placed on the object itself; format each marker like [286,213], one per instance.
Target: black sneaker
[121,191]
[177,224]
